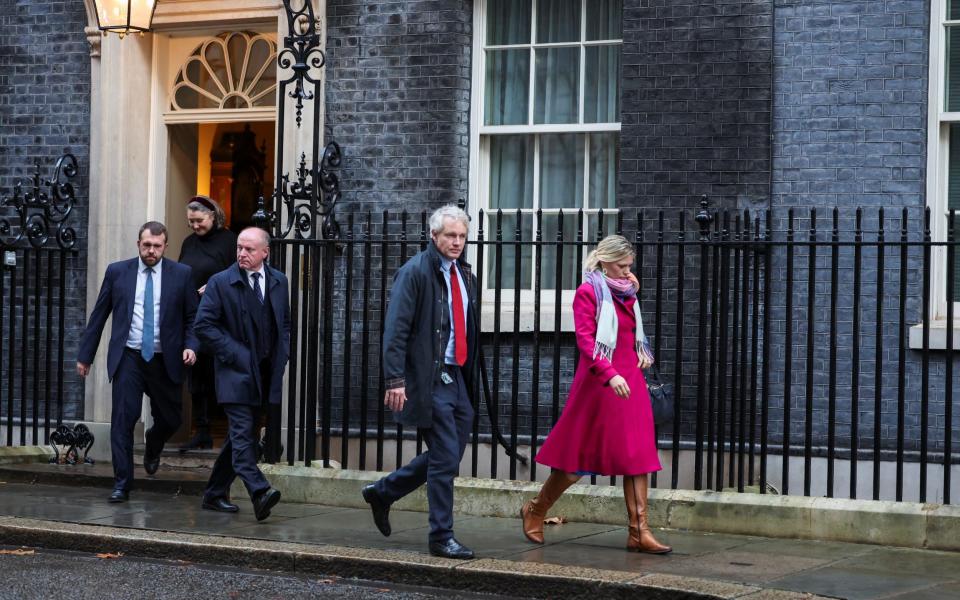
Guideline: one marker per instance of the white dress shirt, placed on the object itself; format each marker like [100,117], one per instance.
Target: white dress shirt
[135,339]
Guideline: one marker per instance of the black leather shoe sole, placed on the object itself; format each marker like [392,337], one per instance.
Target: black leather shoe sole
[118,496]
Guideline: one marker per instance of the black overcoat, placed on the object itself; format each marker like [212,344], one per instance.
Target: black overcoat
[226,330]
[417,330]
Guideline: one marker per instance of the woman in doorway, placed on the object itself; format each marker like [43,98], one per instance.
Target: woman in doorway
[210,249]
[606,427]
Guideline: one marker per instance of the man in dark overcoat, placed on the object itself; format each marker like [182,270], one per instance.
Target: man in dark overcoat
[429,352]
[244,321]
[153,305]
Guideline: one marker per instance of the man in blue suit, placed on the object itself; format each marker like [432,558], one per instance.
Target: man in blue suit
[244,321]
[153,305]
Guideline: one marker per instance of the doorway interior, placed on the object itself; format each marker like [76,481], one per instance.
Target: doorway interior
[233,163]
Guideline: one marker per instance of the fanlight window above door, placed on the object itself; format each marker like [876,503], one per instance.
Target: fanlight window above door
[234,70]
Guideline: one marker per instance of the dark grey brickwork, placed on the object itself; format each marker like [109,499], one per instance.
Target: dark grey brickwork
[850,111]
[696,102]
[398,100]
[45,111]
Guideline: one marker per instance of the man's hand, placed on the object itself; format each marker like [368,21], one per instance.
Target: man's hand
[189,357]
[202,289]
[83,369]
[395,398]
[645,362]
[620,387]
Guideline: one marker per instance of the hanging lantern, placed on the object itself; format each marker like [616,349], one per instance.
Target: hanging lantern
[125,16]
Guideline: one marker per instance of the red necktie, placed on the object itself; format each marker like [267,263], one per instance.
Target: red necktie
[459,320]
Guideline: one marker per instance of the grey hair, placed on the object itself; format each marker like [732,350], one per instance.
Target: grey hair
[610,249]
[450,211]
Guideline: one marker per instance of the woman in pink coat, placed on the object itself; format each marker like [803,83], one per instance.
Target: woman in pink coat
[606,427]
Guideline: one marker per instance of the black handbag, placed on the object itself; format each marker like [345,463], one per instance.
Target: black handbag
[661,397]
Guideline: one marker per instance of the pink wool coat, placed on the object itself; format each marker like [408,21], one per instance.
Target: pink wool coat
[599,432]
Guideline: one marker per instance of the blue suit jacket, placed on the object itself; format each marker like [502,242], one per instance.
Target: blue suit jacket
[226,330]
[178,307]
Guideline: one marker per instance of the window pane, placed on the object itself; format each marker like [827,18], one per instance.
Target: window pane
[506,267]
[601,90]
[557,85]
[561,170]
[558,21]
[604,157]
[507,87]
[569,265]
[953,69]
[953,196]
[511,171]
[508,22]
[953,10]
[604,20]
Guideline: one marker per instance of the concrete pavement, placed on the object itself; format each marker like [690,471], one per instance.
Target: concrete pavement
[579,559]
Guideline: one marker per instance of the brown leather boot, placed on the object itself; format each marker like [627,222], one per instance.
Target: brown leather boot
[534,511]
[641,538]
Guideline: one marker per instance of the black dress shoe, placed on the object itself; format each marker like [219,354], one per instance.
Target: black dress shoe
[151,462]
[219,505]
[381,510]
[117,496]
[450,549]
[264,501]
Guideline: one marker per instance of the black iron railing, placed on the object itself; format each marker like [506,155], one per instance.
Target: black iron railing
[37,247]
[785,333]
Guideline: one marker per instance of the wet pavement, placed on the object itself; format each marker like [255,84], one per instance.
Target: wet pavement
[840,570]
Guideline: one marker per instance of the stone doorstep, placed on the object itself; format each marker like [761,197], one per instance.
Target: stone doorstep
[527,579]
[899,524]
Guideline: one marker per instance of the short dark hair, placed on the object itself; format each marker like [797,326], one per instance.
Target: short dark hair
[155,228]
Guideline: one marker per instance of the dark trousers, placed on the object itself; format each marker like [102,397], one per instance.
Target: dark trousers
[238,456]
[446,440]
[136,377]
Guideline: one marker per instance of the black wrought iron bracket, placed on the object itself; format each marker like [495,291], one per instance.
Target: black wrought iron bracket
[68,443]
[304,204]
[41,208]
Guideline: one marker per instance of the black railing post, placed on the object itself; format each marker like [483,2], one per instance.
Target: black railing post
[832,385]
[855,376]
[703,218]
[948,367]
[878,359]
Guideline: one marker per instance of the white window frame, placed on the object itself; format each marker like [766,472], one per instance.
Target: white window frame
[479,167]
[938,155]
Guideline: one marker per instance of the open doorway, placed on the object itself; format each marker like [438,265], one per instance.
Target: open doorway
[232,163]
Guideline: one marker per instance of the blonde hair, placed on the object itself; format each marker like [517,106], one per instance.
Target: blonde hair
[610,249]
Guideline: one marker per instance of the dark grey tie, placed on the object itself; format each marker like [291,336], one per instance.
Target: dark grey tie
[256,286]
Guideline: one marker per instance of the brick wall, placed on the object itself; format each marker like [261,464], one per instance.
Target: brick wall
[398,100]
[850,111]
[696,102]
[45,111]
